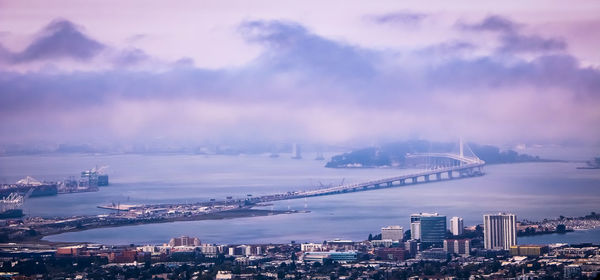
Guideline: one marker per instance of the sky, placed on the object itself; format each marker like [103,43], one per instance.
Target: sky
[335,73]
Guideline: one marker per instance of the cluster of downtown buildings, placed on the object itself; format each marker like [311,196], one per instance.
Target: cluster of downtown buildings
[431,230]
[431,250]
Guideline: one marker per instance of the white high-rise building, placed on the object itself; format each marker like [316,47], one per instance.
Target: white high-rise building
[456,225]
[245,250]
[394,233]
[499,230]
[415,226]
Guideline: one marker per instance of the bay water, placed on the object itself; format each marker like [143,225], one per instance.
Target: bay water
[532,191]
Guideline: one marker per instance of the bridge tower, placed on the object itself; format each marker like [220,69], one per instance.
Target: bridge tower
[461,147]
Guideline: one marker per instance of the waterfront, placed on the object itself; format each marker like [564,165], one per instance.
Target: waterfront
[532,190]
[575,237]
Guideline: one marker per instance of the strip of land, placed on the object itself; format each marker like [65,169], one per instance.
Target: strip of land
[34,229]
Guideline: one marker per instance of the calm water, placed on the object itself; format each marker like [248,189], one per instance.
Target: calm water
[533,191]
[577,237]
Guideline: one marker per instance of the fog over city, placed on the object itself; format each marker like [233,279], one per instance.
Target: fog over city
[310,72]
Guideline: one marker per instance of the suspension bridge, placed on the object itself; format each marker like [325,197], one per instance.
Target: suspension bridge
[436,167]
[432,167]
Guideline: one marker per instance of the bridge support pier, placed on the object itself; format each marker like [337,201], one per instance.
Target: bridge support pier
[438,176]
[479,171]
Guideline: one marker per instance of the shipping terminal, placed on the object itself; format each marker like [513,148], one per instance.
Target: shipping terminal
[12,196]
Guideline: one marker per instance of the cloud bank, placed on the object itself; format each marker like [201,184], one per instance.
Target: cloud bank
[303,87]
[59,39]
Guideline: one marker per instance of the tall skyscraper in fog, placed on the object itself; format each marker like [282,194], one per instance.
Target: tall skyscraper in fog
[499,230]
[296,151]
[456,225]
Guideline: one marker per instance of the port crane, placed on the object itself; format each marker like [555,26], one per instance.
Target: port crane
[14,200]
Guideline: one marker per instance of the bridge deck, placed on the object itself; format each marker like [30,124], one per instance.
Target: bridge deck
[362,185]
[468,167]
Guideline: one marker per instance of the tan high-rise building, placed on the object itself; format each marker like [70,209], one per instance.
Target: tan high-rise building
[499,231]
[394,233]
[458,246]
[184,241]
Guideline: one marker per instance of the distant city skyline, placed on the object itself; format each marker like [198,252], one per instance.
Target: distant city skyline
[121,74]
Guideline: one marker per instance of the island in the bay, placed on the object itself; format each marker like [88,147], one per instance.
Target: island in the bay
[394,154]
[591,164]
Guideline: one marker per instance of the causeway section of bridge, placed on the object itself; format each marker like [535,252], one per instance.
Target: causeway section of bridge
[443,166]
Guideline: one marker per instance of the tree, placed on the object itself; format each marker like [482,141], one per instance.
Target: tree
[479,230]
